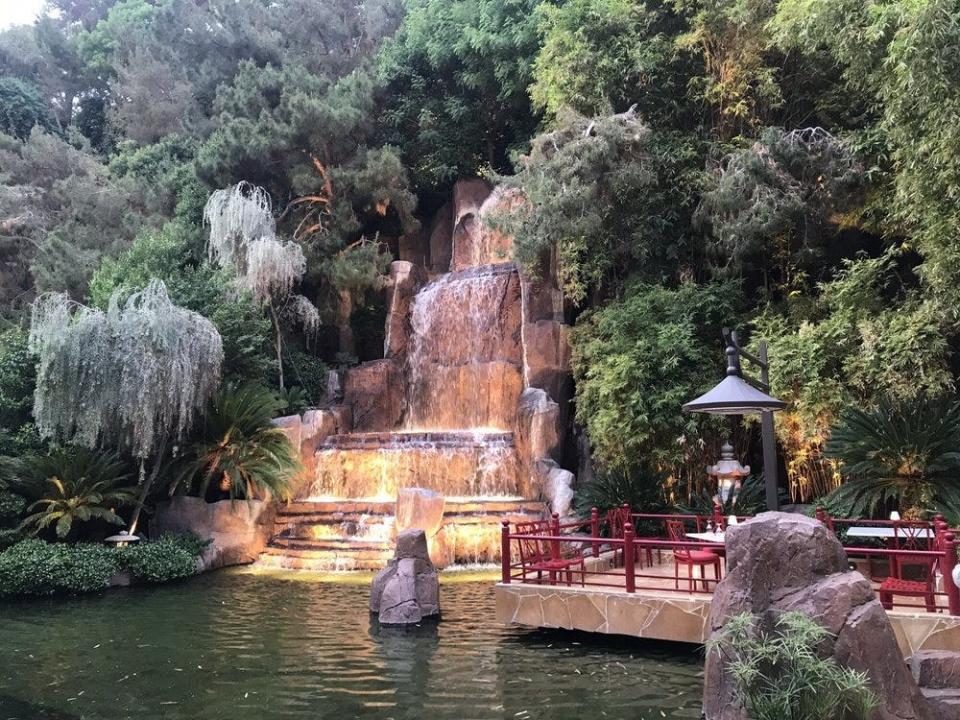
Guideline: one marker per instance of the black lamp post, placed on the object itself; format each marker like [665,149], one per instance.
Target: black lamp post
[735,395]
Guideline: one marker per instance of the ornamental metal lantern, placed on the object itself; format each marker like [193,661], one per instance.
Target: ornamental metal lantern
[122,539]
[729,474]
[736,396]
[733,395]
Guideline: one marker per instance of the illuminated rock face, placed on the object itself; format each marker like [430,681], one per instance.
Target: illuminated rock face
[469,400]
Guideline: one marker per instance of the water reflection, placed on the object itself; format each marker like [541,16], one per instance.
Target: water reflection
[243,647]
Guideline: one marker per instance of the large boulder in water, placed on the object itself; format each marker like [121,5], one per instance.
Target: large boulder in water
[778,563]
[422,509]
[408,590]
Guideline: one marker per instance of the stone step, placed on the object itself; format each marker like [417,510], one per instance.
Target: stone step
[945,702]
[936,669]
[345,563]
[464,506]
[323,544]
[409,440]
[329,554]
[363,507]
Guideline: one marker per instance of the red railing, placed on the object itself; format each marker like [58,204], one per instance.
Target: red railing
[576,554]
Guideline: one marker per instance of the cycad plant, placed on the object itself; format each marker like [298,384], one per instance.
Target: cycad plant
[240,449]
[780,675]
[72,486]
[902,455]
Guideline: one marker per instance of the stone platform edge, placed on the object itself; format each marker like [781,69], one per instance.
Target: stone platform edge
[668,616]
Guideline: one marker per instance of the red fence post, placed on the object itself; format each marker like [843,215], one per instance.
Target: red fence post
[505,551]
[821,514]
[555,531]
[628,569]
[595,529]
[949,562]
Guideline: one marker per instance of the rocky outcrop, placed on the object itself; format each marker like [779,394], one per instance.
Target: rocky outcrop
[407,591]
[441,232]
[405,279]
[778,563]
[937,672]
[238,529]
[538,426]
[557,485]
[467,240]
[374,392]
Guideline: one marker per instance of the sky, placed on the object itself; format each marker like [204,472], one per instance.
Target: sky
[15,12]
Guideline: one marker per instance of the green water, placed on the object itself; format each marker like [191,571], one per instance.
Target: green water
[245,647]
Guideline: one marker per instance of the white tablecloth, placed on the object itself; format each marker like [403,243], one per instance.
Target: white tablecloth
[713,537]
[883,532]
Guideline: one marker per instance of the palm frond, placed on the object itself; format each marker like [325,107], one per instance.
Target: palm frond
[898,456]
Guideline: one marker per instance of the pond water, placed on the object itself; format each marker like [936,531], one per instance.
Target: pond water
[243,646]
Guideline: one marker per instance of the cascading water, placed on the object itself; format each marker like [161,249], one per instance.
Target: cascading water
[463,374]
[465,355]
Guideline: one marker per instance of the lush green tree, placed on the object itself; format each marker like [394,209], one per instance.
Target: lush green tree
[604,194]
[903,455]
[171,255]
[637,360]
[595,55]
[21,108]
[18,376]
[770,205]
[739,78]
[134,376]
[899,56]
[456,76]
[62,212]
[866,333]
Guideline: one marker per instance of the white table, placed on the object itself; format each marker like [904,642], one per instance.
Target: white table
[711,537]
[886,533]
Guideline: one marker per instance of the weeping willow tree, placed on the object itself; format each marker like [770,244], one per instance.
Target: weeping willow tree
[135,375]
[243,238]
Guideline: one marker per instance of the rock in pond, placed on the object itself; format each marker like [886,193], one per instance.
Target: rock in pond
[780,562]
[407,591]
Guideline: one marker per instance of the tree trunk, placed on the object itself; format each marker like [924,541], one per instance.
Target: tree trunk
[147,484]
[278,343]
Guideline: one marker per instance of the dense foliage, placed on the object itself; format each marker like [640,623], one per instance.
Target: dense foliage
[901,456]
[791,167]
[70,487]
[240,453]
[35,567]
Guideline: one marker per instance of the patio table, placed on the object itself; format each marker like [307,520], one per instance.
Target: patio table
[711,537]
[885,533]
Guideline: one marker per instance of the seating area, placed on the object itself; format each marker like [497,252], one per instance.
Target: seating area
[909,563]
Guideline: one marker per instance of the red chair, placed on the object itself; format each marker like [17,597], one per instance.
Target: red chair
[540,555]
[616,521]
[685,556]
[911,575]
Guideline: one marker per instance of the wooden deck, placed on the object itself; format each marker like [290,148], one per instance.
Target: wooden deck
[659,610]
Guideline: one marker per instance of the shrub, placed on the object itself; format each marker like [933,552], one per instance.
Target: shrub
[34,567]
[172,557]
[72,486]
[241,450]
[780,675]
